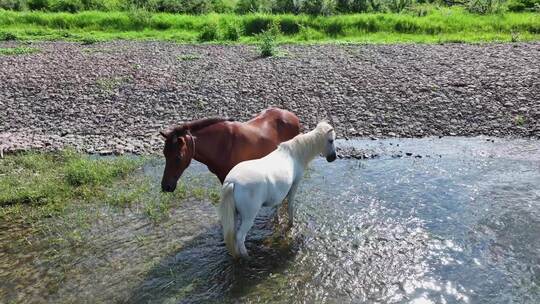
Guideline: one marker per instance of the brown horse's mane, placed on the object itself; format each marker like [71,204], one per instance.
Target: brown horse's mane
[197,125]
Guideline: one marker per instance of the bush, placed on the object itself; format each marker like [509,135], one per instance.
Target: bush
[139,18]
[397,6]
[247,6]
[257,25]
[309,34]
[289,26]
[36,5]
[369,25]
[7,36]
[221,6]
[70,6]
[168,6]
[334,28]
[209,33]
[406,26]
[285,6]
[483,7]
[232,32]
[523,5]
[16,5]
[267,44]
[352,6]
[313,7]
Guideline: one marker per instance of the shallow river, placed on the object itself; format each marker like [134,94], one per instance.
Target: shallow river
[456,221]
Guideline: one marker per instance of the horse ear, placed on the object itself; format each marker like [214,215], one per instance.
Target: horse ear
[180,131]
[165,133]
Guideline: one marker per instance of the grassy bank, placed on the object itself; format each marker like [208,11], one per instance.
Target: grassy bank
[35,185]
[439,25]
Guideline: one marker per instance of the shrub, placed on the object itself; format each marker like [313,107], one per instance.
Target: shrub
[483,7]
[257,25]
[36,5]
[267,44]
[312,7]
[397,6]
[232,32]
[139,18]
[209,33]
[309,34]
[247,6]
[523,5]
[285,6]
[7,36]
[71,6]
[369,25]
[15,5]
[334,28]
[406,26]
[168,6]
[197,6]
[352,6]
[221,6]
[289,26]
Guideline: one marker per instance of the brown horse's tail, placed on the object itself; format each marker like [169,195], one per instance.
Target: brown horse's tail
[227,215]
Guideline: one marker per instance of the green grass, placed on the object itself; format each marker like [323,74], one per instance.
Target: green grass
[188,57]
[35,185]
[438,25]
[17,51]
[55,179]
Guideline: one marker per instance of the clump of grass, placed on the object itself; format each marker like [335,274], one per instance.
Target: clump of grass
[158,207]
[18,51]
[188,57]
[514,37]
[519,120]
[84,171]
[89,40]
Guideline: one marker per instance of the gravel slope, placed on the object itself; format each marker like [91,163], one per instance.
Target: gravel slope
[116,96]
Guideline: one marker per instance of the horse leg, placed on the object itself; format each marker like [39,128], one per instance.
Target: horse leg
[245,225]
[290,202]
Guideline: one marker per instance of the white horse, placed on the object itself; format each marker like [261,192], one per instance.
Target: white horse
[267,181]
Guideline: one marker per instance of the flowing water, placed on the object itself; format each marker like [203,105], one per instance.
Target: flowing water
[451,220]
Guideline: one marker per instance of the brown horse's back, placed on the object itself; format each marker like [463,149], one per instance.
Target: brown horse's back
[284,124]
[258,137]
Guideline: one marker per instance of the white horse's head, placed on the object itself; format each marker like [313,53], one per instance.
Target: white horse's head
[329,136]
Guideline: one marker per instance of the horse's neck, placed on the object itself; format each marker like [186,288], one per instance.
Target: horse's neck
[306,147]
[205,149]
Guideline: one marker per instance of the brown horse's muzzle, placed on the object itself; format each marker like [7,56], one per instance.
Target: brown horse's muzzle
[166,187]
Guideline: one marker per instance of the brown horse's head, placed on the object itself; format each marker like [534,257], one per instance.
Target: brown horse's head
[179,150]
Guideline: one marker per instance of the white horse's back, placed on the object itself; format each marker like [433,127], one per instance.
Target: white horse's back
[264,181]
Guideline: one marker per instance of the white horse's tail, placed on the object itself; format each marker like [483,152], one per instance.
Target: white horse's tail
[227,215]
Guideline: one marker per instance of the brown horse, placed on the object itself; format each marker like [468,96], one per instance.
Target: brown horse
[221,144]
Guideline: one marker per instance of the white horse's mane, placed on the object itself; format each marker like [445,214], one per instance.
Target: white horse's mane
[308,145]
